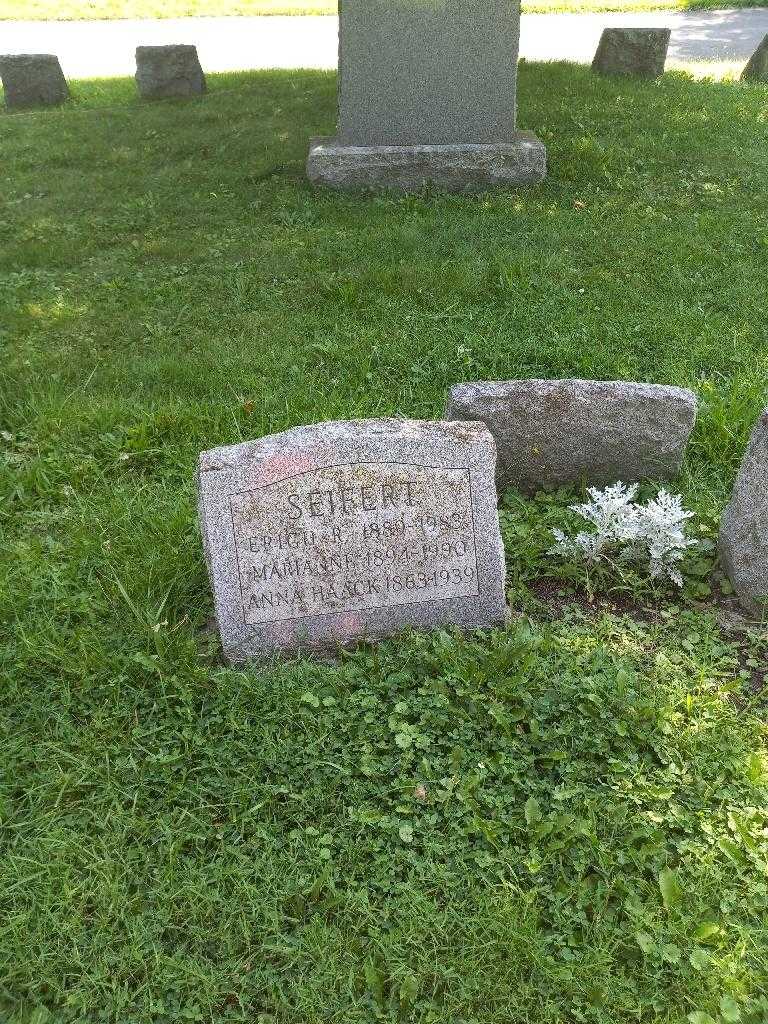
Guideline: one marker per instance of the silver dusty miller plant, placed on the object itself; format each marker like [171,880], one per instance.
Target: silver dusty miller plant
[630,531]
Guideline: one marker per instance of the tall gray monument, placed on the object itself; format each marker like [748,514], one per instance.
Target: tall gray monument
[427,94]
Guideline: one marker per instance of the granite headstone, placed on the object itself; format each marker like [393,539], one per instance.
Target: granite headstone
[427,92]
[638,52]
[168,72]
[32,80]
[744,527]
[335,532]
[756,68]
[552,432]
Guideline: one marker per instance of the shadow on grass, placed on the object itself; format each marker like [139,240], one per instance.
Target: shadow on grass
[120,92]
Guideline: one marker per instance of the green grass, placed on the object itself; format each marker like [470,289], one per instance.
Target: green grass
[75,10]
[186,842]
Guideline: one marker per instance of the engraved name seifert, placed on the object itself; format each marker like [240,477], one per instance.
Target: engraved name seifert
[330,533]
[351,537]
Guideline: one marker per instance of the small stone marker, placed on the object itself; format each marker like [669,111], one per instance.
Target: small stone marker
[427,94]
[166,72]
[341,531]
[552,432]
[744,527]
[32,80]
[640,52]
[756,69]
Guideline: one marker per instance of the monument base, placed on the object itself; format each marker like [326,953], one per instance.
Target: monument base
[456,168]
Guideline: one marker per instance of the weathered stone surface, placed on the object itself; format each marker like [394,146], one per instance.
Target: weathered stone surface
[165,72]
[640,52]
[408,168]
[756,69]
[744,527]
[551,432]
[427,72]
[32,80]
[326,534]
[427,93]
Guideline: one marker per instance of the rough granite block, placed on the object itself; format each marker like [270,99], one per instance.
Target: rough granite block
[744,527]
[32,80]
[552,432]
[167,72]
[756,69]
[409,168]
[640,52]
[331,533]
[427,72]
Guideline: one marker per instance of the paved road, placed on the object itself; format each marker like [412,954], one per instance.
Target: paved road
[105,48]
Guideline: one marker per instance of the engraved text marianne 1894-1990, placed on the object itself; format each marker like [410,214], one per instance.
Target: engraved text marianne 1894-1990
[351,537]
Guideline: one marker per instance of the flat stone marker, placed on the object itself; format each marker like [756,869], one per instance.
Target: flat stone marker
[332,533]
[756,69]
[639,52]
[32,80]
[553,432]
[168,72]
[744,527]
[427,92]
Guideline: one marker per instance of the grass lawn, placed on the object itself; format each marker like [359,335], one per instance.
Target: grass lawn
[69,10]
[186,842]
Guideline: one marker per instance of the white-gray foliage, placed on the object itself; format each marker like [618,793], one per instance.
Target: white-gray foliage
[630,531]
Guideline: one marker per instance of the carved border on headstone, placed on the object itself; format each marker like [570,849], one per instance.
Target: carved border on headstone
[331,533]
